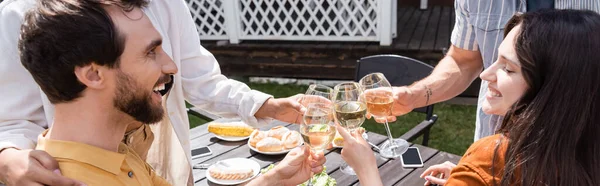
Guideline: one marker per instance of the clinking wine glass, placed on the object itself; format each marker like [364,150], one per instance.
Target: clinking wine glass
[350,110]
[317,128]
[378,95]
[318,114]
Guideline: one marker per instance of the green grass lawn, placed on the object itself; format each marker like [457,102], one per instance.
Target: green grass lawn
[453,131]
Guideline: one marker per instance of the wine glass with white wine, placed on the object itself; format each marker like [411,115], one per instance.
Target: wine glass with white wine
[379,99]
[350,110]
[318,129]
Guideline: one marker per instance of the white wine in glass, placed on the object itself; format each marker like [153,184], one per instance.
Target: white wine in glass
[350,114]
[318,129]
[350,110]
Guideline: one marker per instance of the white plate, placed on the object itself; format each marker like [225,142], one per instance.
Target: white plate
[239,163]
[231,138]
[271,153]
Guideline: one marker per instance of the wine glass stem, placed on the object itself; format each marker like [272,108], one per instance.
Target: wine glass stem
[387,129]
[311,177]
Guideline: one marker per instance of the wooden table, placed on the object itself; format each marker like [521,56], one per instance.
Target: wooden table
[391,170]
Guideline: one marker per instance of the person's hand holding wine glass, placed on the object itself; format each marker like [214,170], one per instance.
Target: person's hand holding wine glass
[379,98]
[350,110]
[317,128]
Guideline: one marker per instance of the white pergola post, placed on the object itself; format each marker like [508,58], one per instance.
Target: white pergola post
[423,4]
[231,9]
[385,22]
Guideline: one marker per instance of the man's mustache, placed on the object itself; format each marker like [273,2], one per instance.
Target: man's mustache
[163,80]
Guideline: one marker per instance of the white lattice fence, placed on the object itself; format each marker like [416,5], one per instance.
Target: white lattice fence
[317,20]
[209,16]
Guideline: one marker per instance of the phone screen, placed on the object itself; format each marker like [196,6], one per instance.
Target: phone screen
[201,151]
[412,157]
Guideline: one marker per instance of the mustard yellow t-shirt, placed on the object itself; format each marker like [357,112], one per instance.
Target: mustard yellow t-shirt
[96,166]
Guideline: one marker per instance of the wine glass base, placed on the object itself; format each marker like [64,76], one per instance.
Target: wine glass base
[388,151]
[346,169]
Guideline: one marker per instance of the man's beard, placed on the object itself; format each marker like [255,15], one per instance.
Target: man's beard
[135,101]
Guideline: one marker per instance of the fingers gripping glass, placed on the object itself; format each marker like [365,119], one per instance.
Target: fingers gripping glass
[317,128]
[378,95]
[350,110]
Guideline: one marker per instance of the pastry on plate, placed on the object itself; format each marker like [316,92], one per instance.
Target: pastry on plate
[291,139]
[256,136]
[277,132]
[269,144]
[230,173]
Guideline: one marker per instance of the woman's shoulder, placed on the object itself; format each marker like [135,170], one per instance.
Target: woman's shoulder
[483,159]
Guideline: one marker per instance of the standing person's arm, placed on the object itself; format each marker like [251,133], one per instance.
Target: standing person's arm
[205,87]
[453,74]
[22,116]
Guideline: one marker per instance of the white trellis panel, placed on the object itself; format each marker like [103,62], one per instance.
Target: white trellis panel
[209,16]
[315,20]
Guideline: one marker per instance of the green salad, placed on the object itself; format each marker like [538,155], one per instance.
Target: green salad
[321,179]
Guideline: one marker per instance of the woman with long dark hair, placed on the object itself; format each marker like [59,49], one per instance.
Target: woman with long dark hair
[546,82]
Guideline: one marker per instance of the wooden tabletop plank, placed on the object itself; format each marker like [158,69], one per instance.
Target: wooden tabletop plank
[199,131]
[392,171]
[429,36]
[417,37]
[344,179]
[440,157]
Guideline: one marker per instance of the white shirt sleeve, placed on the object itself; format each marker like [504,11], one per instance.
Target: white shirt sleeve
[203,84]
[22,116]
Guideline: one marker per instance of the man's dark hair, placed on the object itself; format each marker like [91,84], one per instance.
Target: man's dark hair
[59,35]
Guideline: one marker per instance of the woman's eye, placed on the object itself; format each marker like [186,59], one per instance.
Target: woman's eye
[151,53]
[507,70]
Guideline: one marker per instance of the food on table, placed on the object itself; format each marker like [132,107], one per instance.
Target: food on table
[278,132]
[269,144]
[338,140]
[231,129]
[256,136]
[276,139]
[321,179]
[291,139]
[222,172]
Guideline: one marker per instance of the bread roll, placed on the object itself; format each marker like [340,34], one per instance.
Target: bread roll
[277,132]
[256,136]
[269,144]
[230,173]
[236,129]
[291,139]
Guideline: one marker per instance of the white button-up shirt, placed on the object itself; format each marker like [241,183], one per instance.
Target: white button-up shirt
[25,110]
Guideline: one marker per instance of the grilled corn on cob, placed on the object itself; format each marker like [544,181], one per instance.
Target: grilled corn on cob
[236,129]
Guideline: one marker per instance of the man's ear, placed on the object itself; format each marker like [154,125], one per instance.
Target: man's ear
[91,75]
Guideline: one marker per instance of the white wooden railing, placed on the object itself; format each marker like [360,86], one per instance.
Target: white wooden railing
[312,20]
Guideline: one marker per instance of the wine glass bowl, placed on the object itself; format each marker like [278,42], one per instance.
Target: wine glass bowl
[350,110]
[379,98]
[317,129]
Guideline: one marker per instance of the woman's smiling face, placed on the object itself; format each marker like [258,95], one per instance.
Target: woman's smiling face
[506,84]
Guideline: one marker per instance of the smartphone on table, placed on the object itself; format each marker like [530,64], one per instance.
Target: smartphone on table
[201,152]
[412,158]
